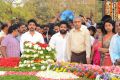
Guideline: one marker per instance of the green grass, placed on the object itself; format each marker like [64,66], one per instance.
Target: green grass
[18,69]
[18,77]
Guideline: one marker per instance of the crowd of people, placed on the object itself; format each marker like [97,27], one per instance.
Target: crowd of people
[79,40]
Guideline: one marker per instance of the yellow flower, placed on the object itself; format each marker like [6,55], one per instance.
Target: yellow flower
[57,70]
[114,78]
[61,69]
[64,70]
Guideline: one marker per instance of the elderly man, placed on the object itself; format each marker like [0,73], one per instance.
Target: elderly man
[79,43]
[114,48]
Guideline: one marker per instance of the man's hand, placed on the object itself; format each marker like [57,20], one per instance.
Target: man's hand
[117,62]
[88,60]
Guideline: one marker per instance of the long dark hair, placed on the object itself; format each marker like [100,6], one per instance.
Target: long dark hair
[111,22]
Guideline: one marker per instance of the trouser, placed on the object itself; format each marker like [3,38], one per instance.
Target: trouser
[79,57]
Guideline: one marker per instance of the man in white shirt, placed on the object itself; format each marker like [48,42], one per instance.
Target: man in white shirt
[59,40]
[31,35]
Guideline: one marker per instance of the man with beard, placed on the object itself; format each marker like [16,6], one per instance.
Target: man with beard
[58,41]
[22,29]
[32,35]
[78,43]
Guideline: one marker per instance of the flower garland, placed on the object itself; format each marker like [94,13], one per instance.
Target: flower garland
[37,55]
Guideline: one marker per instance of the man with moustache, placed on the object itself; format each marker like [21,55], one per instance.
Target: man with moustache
[22,29]
[32,35]
[114,48]
[79,43]
[58,41]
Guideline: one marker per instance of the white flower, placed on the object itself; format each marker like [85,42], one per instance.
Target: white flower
[28,65]
[48,48]
[25,61]
[32,61]
[35,55]
[28,61]
[50,60]
[2,72]
[39,48]
[28,44]
[47,56]
[36,46]
[22,55]
[27,56]
[44,62]
[41,52]
[32,64]
[42,57]
[57,75]
[21,65]
[34,67]
[43,67]
[27,50]
[33,50]
[52,46]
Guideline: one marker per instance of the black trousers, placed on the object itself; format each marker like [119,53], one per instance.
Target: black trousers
[79,57]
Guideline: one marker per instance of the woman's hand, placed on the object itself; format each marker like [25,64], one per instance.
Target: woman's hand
[103,50]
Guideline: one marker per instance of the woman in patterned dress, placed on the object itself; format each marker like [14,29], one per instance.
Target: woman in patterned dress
[109,27]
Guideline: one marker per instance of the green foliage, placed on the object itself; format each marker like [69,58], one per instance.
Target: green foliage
[18,77]
[44,10]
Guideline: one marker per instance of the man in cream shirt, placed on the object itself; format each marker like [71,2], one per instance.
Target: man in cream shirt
[31,35]
[58,41]
[79,43]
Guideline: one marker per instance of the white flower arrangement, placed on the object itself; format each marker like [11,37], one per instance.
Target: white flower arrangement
[37,55]
[56,75]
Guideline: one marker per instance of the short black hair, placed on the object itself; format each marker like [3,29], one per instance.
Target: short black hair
[4,25]
[20,24]
[32,20]
[56,24]
[12,28]
[64,22]
[93,29]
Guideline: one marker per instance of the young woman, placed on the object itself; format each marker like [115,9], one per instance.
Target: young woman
[109,27]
